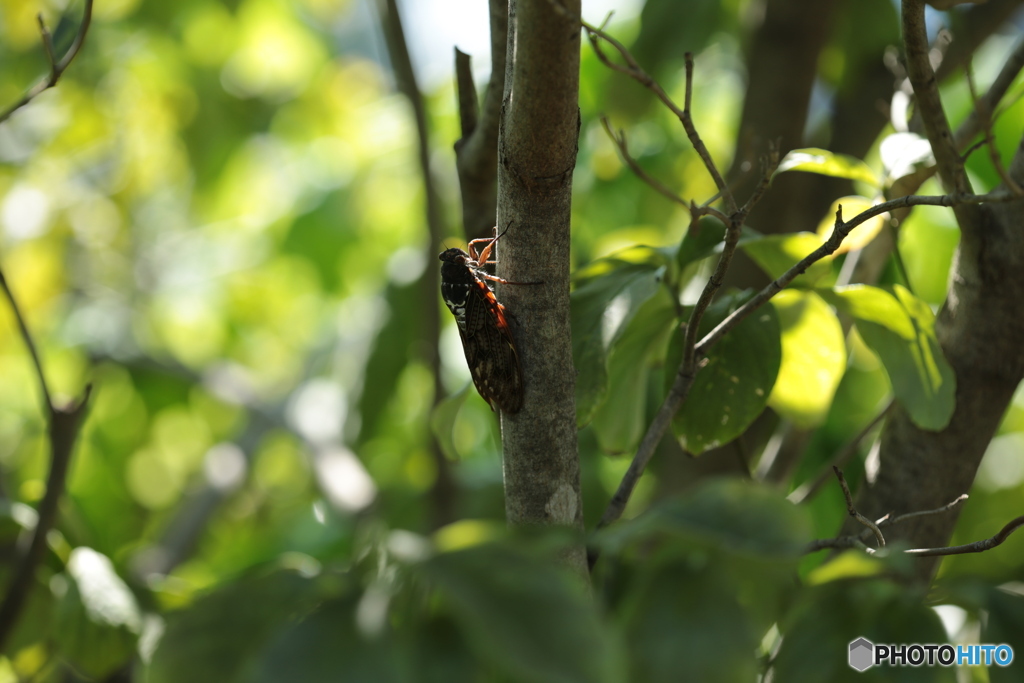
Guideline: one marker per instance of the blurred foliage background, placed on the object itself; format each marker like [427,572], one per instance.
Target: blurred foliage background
[218,220]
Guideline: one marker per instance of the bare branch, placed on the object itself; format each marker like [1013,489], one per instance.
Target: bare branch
[929,104]
[891,521]
[853,510]
[620,142]
[983,113]
[807,491]
[976,547]
[857,541]
[688,367]
[444,490]
[972,125]
[57,68]
[27,338]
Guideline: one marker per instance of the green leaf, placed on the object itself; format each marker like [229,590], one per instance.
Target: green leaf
[620,421]
[1005,624]
[219,637]
[328,646]
[525,615]
[776,254]
[98,620]
[732,389]
[700,241]
[442,421]
[900,328]
[737,516]
[819,628]
[608,294]
[687,624]
[813,358]
[824,162]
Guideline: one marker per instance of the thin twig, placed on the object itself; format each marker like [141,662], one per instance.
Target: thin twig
[857,540]
[976,547]
[809,489]
[27,337]
[57,68]
[888,521]
[1007,74]
[853,510]
[985,116]
[633,69]
[620,142]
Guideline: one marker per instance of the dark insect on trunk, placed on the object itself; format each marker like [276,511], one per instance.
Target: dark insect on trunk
[483,326]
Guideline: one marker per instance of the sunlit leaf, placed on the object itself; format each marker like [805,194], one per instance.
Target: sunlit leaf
[860,236]
[900,328]
[903,153]
[776,254]
[98,619]
[732,389]
[824,162]
[813,358]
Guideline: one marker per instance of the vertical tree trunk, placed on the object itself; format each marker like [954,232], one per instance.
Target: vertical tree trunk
[536,155]
[980,329]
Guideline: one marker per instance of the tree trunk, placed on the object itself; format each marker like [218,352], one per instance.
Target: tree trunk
[981,331]
[536,156]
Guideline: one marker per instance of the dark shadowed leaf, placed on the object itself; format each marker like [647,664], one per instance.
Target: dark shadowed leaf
[732,389]
[700,241]
[608,294]
[329,646]
[819,629]
[686,624]
[619,421]
[525,615]
[736,516]
[219,637]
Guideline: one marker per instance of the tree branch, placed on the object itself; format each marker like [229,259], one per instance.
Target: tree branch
[62,425]
[57,68]
[476,152]
[444,491]
[689,366]
[853,510]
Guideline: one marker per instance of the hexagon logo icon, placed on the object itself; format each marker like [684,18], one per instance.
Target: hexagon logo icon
[862,653]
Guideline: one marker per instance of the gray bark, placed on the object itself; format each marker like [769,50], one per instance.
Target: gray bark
[981,331]
[536,156]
